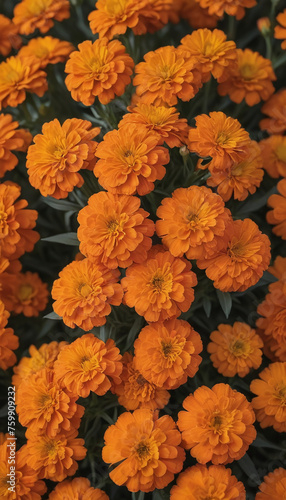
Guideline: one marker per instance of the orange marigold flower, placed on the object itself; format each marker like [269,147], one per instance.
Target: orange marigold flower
[41,358]
[196,16]
[114,229]
[277,216]
[217,425]
[241,261]
[57,155]
[11,138]
[231,7]
[54,458]
[270,403]
[100,69]
[166,354]
[192,222]
[9,37]
[200,481]
[147,448]
[240,179]
[79,487]
[166,75]
[88,364]
[235,349]
[250,79]
[279,268]
[156,14]
[221,137]
[275,108]
[160,288]
[8,341]
[212,52]
[160,120]
[83,293]
[273,486]
[47,50]
[32,14]
[280,28]
[130,160]
[45,407]
[24,293]
[273,152]
[134,391]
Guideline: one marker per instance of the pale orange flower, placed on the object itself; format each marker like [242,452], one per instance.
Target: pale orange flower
[32,14]
[196,16]
[12,138]
[79,488]
[275,109]
[8,341]
[280,28]
[24,293]
[9,37]
[277,216]
[273,486]
[273,152]
[47,50]
[231,7]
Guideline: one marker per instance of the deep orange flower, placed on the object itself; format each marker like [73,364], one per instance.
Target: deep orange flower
[196,16]
[165,76]
[279,268]
[242,260]
[160,120]
[213,482]
[235,349]
[270,402]
[213,53]
[57,155]
[193,221]
[273,486]
[134,391]
[54,458]
[166,354]
[79,487]
[88,364]
[100,69]
[221,137]
[17,77]
[240,179]
[47,50]
[83,294]
[9,37]
[114,229]
[32,14]
[231,7]
[251,79]
[273,152]
[45,407]
[24,293]
[12,138]
[130,160]
[275,109]
[147,448]
[8,341]
[156,14]
[277,216]
[217,425]
[160,288]
[280,28]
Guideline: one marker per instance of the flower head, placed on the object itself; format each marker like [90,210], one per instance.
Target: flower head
[231,7]
[279,268]
[277,216]
[47,50]
[197,16]
[12,138]
[79,487]
[8,341]
[280,28]
[9,37]
[275,109]
[24,293]
[273,485]
[32,14]
[273,153]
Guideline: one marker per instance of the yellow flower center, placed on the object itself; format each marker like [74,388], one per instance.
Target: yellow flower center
[220,423]
[45,401]
[97,62]
[84,289]
[247,71]
[37,7]
[240,348]
[51,448]
[281,152]
[115,8]
[3,219]
[146,450]
[89,364]
[236,250]
[112,225]
[171,349]
[59,152]
[161,282]
[25,292]
[222,139]
[140,380]
[280,393]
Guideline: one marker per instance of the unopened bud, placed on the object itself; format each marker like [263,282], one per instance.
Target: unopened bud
[184,151]
[264,25]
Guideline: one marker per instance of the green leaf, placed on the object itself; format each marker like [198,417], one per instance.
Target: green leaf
[207,305]
[63,205]
[261,442]
[134,330]
[249,468]
[64,238]
[225,301]
[255,203]
[52,315]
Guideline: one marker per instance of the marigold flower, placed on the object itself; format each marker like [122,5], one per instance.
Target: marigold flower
[12,138]
[160,120]
[242,260]
[273,485]
[275,108]
[134,391]
[240,179]
[166,354]
[9,37]
[24,293]
[54,458]
[165,76]
[196,16]
[270,403]
[231,7]
[200,481]
[160,288]
[57,155]
[221,137]
[100,69]
[156,14]
[47,50]
[280,28]
[114,229]
[88,364]
[277,216]
[130,160]
[250,79]
[235,349]
[217,425]
[192,222]
[8,341]
[79,487]
[83,294]
[279,268]
[273,153]
[147,448]
[32,14]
